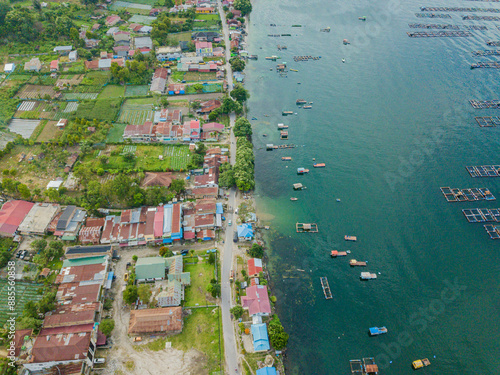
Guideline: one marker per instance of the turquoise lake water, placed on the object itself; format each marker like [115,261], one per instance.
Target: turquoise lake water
[393,125]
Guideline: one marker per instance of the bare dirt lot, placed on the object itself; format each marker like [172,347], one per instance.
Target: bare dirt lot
[122,358]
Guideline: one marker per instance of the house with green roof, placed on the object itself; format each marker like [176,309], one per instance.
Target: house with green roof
[158,268]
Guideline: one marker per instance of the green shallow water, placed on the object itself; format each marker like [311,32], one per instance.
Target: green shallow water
[392,124]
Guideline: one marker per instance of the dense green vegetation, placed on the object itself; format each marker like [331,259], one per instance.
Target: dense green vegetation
[277,335]
[244,166]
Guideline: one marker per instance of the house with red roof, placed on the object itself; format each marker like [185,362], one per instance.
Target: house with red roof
[209,106]
[194,130]
[204,49]
[139,133]
[54,66]
[254,267]
[12,215]
[112,20]
[257,301]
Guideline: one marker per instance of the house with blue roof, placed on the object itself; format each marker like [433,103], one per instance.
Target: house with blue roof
[245,232]
[266,371]
[260,337]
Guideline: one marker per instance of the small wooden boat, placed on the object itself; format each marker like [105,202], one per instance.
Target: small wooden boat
[346,42]
[319,165]
[362,18]
[272,58]
[335,253]
[264,135]
[307,106]
[286,113]
[300,101]
[286,158]
[294,199]
[293,70]
[350,238]
[355,263]
[419,363]
[325,30]
[375,331]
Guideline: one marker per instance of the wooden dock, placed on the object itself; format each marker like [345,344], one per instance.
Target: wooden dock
[484,170]
[326,288]
[356,366]
[432,15]
[463,195]
[270,147]
[485,65]
[487,121]
[486,53]
[493,231]
[432,26]
[479,18]
[459,9]
[482,215]
[439,34]
[306,227]
[485,104]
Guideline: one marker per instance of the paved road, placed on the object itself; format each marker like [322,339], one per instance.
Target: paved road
[231,354]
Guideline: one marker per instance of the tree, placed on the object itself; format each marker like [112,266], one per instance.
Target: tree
[24,191]
[226,176]
[178,186]
[214,289]
[169,3]
[161,27]
[211,258]
[165,252]
[237,64]
[198,87]
[237,311]
[239,93]
[256,251]
[144,293]
[244,5]
[39,245]
[242,127]
[106,326]
[130,294]
[277,334]
[134,258]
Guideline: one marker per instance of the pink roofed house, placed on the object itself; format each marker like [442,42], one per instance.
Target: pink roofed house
[257,301]
[158,223]
[54,66]
[112,20]
[194,127]
[204,49]
[254,267]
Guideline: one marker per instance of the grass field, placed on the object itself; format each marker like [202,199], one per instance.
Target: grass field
[112,91]
[101,109]
[196,293]
[24,292]
[199,76]
[175,158]
[96,78]
[147,2]
[49,132]
[207,17]
[116,133]
[137,90]
[180,37]
[202,332]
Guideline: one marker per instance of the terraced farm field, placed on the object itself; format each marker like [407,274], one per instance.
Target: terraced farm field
[137,90]
[24,292]
[78,95]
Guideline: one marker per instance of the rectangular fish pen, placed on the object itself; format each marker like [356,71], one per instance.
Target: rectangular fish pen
[487,121]
[326,288]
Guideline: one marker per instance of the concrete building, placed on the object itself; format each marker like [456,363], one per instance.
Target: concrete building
[159,321]
[38,218]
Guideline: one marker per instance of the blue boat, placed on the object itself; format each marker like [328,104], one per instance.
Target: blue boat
[375,331]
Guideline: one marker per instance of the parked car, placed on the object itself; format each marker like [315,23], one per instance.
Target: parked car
[235,237]
[229,223]
[19,253]
[184,251]
[99,360]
